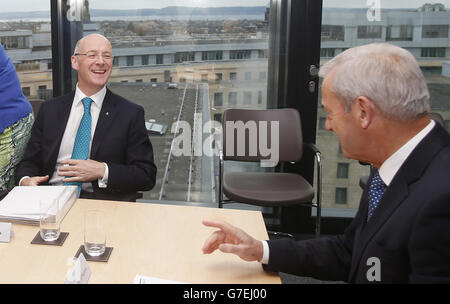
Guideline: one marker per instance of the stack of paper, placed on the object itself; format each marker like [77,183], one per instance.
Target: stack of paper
[21,205]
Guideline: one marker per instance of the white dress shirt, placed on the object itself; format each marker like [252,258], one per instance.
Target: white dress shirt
[68,140]
[387,170]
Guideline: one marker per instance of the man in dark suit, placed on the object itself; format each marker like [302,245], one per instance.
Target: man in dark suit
[91,137]
[377,102]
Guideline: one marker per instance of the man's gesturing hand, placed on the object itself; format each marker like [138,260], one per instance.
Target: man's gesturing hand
[230,239]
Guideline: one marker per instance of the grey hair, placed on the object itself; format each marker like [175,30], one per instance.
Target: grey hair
[386,74]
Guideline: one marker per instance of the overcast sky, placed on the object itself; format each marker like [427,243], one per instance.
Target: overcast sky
[39,5]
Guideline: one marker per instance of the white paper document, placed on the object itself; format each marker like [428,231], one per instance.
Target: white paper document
[6,232]
[80,273]
[22,202]
[140,279]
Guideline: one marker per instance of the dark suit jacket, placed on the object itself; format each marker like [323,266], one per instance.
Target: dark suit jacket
[409,231]
[120,140]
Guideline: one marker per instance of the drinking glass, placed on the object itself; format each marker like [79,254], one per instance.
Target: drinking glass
[49,219]
[94,233]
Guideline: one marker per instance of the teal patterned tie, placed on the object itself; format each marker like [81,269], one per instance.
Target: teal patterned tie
[83,138]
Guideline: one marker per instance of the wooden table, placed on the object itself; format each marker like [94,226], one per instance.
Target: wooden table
[162,241]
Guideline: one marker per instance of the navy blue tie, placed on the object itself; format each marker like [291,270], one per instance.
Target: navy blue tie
[83,138]
[376,190]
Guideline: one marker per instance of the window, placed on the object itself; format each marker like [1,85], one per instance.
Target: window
[213,55]
[138,80]
[329,52]
[262,75]
[423,33]
[184,56]
[241,54]
[218,117]
[15,42]
[130,60]
[26,91]
[332,32]
[262,54]
[28,43]
[435,31]
[218,99]
[399,33]
[159,59]
[247,98]
[369,31]
[232,98]
[322,122]
[342,170]
[191,50]
[116,61]
[248,75]
[145,59]
[432,52]
[341,196]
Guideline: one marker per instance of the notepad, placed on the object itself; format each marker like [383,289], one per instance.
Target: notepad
[21,205]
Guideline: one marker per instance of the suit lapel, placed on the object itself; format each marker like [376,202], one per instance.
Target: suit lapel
[393,197]
[105,118]
[411,170]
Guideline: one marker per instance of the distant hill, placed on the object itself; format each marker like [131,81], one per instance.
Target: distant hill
[182,10]
[167,11]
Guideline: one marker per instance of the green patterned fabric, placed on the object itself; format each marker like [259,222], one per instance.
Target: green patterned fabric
[13,141]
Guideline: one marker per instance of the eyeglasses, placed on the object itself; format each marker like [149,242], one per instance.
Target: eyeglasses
[93,56]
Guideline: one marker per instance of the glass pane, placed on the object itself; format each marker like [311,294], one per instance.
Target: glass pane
[25,34]
[185,62]
[419,27]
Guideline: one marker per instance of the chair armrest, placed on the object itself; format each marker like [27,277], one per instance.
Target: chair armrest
[318,157]
[221,168]
[313,147]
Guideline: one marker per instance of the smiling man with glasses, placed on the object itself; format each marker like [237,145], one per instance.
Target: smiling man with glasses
[91,137]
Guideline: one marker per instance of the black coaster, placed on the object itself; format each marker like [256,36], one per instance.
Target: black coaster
[101,258]
[59,242]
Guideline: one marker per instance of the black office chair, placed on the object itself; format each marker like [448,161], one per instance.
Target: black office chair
[36,104]
[433,115]
[269,189]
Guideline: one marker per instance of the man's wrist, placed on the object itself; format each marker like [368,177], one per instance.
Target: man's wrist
[265,256]
[22,179]
[103,180]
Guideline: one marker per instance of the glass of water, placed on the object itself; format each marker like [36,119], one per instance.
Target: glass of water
[49,219]
[94,233]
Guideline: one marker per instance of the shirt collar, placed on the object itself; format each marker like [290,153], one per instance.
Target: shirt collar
[97,97]
[391,165]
